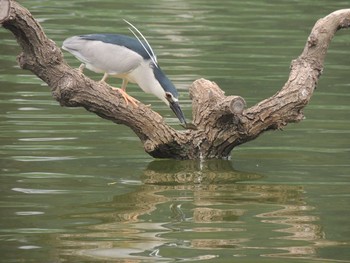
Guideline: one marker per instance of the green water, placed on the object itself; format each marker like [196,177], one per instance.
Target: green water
[76,188]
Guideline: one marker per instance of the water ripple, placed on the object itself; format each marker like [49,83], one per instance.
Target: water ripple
[42,158]
[29,213]
[47,139]
[39,191]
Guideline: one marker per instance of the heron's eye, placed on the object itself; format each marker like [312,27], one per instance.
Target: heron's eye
[169,96]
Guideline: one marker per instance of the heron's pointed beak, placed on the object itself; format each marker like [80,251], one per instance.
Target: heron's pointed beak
[174,105]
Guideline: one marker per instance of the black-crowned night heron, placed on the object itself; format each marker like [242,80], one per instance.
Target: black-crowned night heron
[128,58]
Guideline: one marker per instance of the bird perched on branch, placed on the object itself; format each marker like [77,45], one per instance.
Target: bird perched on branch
[128,58]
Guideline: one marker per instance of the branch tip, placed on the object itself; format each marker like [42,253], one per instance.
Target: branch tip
[4,10]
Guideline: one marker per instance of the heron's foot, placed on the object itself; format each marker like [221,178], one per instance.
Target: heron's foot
[127,97]
[102,82]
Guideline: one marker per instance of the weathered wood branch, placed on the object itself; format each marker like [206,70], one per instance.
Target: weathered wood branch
[222,121]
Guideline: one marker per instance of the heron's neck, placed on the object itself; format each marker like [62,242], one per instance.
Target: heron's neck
[145,77]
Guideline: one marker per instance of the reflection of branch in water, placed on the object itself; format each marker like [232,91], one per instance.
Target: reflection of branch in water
[299,227]
[173,211]
[205,214]
[172,172]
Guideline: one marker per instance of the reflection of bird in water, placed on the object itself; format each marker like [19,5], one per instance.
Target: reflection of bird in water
[177,212]
[130,59]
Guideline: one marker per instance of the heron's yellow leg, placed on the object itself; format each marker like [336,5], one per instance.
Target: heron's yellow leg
[125,82]
[81,67]
[105,76]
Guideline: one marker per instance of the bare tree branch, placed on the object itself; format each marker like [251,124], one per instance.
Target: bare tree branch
[222,121]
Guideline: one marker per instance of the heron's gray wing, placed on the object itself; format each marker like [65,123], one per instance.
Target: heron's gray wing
[101,56]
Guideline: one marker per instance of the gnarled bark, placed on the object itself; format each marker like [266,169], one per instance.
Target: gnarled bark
[222,121]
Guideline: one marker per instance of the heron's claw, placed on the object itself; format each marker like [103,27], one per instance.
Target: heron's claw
[127,97]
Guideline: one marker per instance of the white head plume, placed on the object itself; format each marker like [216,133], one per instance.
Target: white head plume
[151,55]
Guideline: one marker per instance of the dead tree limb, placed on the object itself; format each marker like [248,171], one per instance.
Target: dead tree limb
[222,121]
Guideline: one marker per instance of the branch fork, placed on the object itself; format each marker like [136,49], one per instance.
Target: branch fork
[222,122]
